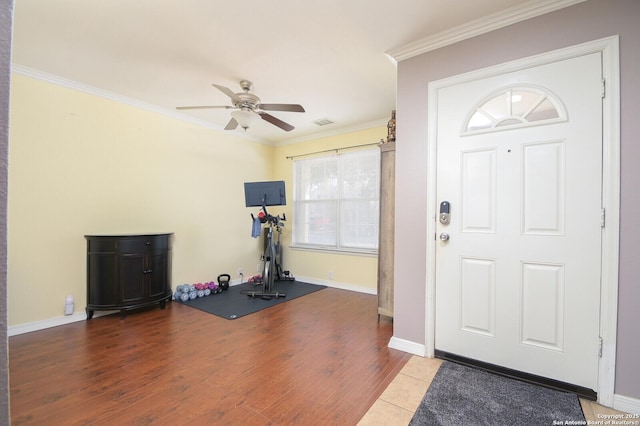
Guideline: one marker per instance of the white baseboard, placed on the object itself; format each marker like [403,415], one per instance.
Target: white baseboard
[620,402]
[407,346]
[82,316]
[328,283]
[14,330]
[339,285]
[626,404]
[28,327]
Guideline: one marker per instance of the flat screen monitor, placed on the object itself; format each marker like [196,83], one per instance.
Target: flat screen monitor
[258,194]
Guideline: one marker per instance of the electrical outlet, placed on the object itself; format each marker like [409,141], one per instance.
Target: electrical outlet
[240,271]
[259,267]
[330,275]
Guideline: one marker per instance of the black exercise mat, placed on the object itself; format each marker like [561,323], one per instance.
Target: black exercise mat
[232,304]
[460,395]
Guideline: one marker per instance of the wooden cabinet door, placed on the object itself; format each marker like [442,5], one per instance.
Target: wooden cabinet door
[102,269]
[157,277]
[133,277]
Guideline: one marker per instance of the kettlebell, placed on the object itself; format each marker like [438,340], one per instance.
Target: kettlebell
[223,281]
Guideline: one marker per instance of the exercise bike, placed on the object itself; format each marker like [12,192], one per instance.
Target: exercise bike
[271,270]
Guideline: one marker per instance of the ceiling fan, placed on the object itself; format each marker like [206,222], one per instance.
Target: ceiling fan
[247,107]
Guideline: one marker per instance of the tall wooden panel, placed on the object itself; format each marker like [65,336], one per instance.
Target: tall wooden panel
[387,219]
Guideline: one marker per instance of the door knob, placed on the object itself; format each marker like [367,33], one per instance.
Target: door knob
[444,237]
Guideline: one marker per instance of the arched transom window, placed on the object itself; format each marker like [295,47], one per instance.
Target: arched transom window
[514,107]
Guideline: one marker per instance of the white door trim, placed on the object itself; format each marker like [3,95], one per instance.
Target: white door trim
[609,48]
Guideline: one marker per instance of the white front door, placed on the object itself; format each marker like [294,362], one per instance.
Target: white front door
[519,160]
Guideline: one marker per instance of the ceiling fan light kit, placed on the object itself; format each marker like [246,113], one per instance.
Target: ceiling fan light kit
[244,118]
[247,108]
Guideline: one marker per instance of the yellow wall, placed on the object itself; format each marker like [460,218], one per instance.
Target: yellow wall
[358,272]
[81,164]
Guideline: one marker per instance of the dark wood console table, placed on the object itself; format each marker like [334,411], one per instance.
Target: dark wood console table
[126,272]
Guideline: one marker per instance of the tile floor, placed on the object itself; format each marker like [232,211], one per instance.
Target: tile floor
[398,402]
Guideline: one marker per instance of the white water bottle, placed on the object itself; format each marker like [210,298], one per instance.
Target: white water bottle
[68,305]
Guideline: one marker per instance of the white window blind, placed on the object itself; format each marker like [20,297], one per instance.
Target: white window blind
[336,201]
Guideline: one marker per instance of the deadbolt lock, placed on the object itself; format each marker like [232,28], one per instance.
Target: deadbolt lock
[444,217]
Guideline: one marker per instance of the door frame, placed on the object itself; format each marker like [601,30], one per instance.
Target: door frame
[609,48]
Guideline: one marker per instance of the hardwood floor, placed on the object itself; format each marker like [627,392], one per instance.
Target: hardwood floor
[321,359]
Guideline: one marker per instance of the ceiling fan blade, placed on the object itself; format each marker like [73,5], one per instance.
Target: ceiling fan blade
[231,125]
[227,92]
[276,122]
[282,107]
[204,107]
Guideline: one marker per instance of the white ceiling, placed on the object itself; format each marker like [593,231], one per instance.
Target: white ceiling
[328,55]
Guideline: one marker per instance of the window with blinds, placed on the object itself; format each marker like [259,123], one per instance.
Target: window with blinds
[336,201]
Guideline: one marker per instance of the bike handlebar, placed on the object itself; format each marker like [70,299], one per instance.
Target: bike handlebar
[269,218]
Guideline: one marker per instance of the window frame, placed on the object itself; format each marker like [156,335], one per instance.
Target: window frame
[339,199]
[543,93]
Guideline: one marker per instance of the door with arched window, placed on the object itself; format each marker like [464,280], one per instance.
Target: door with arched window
[519,162]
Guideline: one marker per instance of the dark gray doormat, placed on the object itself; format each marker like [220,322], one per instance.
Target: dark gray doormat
[460,395]
[232,304]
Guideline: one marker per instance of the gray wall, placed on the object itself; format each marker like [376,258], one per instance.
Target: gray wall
[6,20]
[574,25]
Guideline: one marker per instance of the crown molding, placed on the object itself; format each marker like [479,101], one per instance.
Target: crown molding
[334,132]
[478,27]
[74,85]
